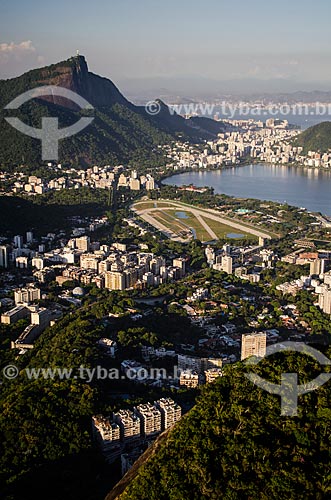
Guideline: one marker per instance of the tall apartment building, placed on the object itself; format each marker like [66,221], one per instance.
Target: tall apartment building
[122,181]
[227,264]
[38,263]
[210,255]
[148,278]
[89,261]
[29,237]
[171,412]
[83,243]
[150,418]
[18,241]
[106,432]
[4,256]
[155,265]
[26,295]
[21,262]
[114,280]
[103,266]
[327,278]
[130,425]
[41,317]
[131,277]
[324,300]
[181,263]
[134,184]
[150,184]
[254,344]
[317,267]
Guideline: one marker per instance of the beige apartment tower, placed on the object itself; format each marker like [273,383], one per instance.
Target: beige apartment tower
[254,344]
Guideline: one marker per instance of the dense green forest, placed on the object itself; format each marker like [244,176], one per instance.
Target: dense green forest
[50,211]
[316,138]
[235,445]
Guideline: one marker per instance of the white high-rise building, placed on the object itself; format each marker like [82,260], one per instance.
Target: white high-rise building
[227,264]
[129,424]
[210,255]
[171,412]
[18,241]
[324,300]
[29,236]
[114,280]
[122,181]
[315,267]
[4,256]
[150,418]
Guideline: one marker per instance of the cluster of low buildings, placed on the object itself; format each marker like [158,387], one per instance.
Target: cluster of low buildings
[126,432]
[96,177]
[116,268]
[231,260]
[27,308]
[136,182]
[318,281]
[79,259]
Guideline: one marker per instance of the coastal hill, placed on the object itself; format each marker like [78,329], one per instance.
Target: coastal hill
[235,444]
[120,130]
[316,138]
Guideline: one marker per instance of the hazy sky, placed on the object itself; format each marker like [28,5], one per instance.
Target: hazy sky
[171,40]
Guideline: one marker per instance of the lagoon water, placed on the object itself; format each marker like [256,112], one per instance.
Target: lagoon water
[301,187]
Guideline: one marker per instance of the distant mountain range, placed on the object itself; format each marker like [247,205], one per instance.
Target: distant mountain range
[120,130]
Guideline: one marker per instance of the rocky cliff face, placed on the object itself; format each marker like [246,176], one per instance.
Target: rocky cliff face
[73,74]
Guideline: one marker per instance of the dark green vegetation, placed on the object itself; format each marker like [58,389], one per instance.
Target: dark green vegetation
[46,422]
[235,445]
[316,138]
[61,210]
[120,131]
[51,211]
